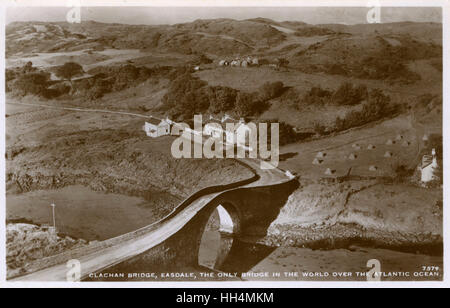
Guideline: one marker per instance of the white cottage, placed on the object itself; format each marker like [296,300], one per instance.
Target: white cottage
[429,164]
[156,127]
[227,128]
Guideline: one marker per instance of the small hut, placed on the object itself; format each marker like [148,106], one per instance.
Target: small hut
[235,63]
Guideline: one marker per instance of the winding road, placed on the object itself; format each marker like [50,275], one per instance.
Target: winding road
[153,235]
[98,257]
[105,254]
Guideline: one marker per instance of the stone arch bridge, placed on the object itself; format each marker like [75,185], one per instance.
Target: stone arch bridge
[244,210]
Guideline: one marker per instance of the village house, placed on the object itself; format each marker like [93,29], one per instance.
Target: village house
[217,128]
[156,127]
[244,62]
[428,166]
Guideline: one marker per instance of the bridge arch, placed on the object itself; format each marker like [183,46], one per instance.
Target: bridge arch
[218,234]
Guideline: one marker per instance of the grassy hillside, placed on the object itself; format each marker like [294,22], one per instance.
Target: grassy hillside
[51,148]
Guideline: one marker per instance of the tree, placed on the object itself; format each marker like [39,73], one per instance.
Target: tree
[32,83]
[282,62]
[69,70]
[246,105]
[271,90]
[221,99]
[346,94]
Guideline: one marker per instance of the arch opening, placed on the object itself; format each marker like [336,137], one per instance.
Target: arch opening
[218,236]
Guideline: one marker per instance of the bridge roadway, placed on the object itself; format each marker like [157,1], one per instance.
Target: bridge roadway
[149,237]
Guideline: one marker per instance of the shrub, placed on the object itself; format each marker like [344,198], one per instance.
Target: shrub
[32,83]
[287,133]
[246,104]
[346,94]
[316,96]
[271,90]
[69,70]
[186,96]
[249,104]
[319,128]
[221,99]
[374,109]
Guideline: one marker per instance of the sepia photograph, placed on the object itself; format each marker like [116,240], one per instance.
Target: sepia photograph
[245,144]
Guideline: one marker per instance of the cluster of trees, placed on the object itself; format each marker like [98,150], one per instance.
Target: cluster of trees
[187,95]
[29,80]
[345,95]
[376,107]
[385,68]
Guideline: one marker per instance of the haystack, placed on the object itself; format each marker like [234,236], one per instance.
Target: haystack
[329,171]
[370,147]
[405,143]
[373,168]
[388,154]
[399,137]
[317,161]
[390,142]
[352,156]
[356,146]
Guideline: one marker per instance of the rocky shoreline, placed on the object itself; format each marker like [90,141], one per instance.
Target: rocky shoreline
[346,236]
[26,243]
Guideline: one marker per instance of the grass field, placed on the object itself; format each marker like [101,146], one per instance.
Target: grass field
[338,148]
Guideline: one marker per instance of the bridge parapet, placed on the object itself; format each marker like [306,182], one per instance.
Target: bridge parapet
[174,241]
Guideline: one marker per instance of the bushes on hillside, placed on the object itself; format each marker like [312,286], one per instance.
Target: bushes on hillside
[31,83]
[376,107]
[185,97]
[347,94]
[385,68]
[69,70]
[221,99]
[188,95]
[286,132]
[247,104]
[316,96]
[270,90]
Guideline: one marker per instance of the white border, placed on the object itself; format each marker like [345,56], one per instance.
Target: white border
[445,4]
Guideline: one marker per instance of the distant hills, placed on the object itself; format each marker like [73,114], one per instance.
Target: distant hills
[224,37]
